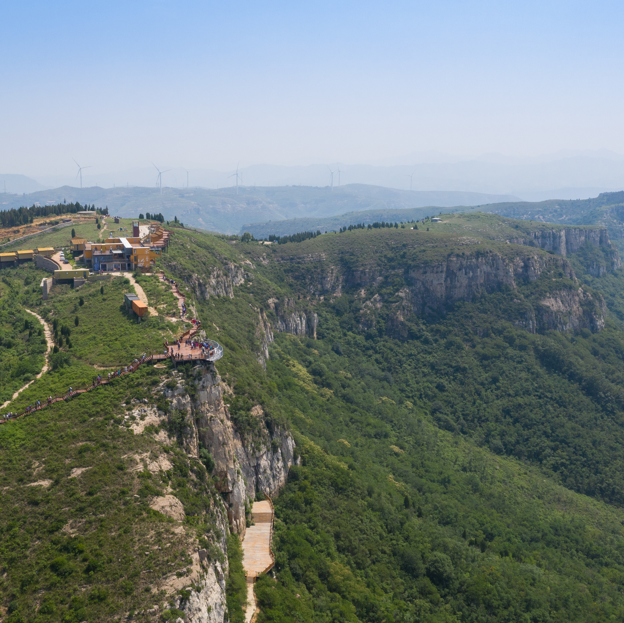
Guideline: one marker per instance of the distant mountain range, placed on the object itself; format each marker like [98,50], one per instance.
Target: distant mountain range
[564,175]
[226,211]
[17,185]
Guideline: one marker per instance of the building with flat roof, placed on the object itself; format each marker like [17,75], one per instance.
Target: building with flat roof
[77,273]
[45,251]
[78,244]
[117,254]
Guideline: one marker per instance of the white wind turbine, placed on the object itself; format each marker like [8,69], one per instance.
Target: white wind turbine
[79,174]
[236,175]
[411,176]
[159,177]
[339,172]
[332,177]
[186,176]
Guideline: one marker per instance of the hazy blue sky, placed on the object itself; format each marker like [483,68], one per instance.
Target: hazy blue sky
[117,84]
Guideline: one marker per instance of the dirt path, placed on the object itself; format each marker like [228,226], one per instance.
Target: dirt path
[141,293]
[176,292]
[257,555]
[50,342]
[104,225]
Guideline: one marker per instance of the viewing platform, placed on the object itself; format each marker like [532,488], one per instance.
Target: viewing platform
[208,350]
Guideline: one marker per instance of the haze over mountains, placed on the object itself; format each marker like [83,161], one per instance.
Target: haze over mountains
[226,211]
[564,175]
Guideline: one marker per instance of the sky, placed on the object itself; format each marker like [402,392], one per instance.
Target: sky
[210,84]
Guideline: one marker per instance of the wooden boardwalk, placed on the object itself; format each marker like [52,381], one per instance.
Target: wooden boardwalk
[257,555]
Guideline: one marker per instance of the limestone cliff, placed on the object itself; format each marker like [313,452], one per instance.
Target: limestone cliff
[569,240]
[257,459]
[246,462]
[430,288]
[289,319]
[220,281]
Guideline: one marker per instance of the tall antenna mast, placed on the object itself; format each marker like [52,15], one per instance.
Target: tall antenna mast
[411,176]
[80,172]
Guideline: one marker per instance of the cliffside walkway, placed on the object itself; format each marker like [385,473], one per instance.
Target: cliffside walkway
[258,557]
[186,354]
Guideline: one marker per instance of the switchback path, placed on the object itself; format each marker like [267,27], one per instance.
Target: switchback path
[257,555]
[50,342]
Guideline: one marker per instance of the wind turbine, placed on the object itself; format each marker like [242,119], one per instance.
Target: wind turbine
[80,171]
[332,177]
[339,172]
[186,176]
[159,177]
[237,175]
[411,176]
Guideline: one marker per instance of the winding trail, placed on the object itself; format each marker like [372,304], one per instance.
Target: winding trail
[176,292]
[257,555]
[141,293]
[50,342]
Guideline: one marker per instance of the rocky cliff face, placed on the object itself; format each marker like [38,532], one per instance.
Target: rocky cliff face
[570,240]
[291,320]
[219,282]
[258,460]
[430,288]
[564,241]
[568,310]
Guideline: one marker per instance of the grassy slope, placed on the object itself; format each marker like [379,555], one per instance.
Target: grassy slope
[392,516]
[89,547]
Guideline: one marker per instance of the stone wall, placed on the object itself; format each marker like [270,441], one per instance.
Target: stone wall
[46,263]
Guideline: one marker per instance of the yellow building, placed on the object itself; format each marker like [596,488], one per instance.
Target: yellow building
[117,254]
[78,244]
[46,251]
[79,273]
[8,257]
[25,255]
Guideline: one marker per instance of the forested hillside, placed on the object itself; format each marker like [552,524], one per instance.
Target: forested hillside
[454,393]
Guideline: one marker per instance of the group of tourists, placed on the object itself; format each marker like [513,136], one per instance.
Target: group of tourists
[71,392]
[33,407]
[175,289]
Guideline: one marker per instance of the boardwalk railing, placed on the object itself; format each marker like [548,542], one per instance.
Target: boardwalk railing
[123,371]
[214,353]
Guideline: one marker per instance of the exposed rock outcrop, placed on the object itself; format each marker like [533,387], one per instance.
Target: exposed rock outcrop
[264,334]
[291,320]
[567,310]
[569,240]
[220,282]
[244,464]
